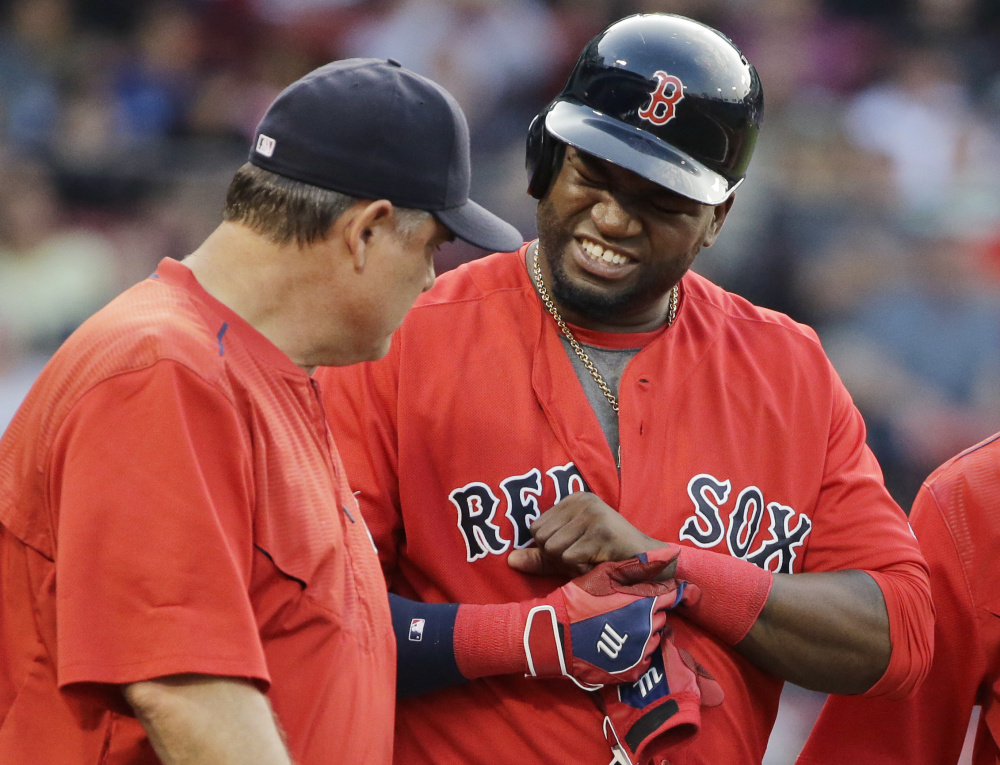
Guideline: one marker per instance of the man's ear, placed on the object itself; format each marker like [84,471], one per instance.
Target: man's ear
[719,213]
[363,223]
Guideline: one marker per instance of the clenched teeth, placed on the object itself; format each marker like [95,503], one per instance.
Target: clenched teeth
[597,252]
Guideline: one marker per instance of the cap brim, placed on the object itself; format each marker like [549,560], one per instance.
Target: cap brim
[636,150]
[478,226]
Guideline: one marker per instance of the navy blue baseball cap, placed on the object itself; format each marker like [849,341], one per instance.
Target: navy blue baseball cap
[372,129]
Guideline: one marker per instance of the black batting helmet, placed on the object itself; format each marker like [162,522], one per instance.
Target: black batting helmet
[661,95]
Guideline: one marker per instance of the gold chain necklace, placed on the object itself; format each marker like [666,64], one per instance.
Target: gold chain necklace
[543,293]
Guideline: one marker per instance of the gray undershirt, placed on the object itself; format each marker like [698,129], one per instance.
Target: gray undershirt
[611,363]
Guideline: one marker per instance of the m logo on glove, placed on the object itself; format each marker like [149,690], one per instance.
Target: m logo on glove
[611,642]
[648,688]
[648,682]
[607,636]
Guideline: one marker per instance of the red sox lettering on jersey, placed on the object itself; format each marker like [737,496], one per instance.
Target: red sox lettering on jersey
[705,527]
[477,505]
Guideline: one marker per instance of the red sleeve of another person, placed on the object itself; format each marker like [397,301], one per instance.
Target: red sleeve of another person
[152,481]
[929,727]
[857,525]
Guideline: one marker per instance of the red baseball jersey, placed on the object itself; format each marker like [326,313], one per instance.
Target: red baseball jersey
[171,502]
[736,436]
[956,517]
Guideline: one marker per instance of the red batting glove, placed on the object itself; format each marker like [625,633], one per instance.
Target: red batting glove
[661,709]
[602,627]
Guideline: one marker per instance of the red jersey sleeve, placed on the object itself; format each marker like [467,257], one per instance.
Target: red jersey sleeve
[857,523]
[928,728]
[859,526]
[152,481]
[360,403]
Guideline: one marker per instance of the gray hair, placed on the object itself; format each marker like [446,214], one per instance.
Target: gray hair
[284,210]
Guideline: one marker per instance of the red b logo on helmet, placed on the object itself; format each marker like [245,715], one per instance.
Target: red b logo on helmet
[664,99]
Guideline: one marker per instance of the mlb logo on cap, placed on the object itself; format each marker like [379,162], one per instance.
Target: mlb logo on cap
[265,145]
[417,630]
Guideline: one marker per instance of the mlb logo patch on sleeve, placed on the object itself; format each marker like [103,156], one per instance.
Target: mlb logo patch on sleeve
[416,630]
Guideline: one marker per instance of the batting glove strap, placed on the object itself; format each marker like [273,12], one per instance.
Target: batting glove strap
[544,640]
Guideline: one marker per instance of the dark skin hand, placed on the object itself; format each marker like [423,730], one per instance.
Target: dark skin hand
[828,632]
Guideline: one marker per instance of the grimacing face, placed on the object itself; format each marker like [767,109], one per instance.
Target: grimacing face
[614,243]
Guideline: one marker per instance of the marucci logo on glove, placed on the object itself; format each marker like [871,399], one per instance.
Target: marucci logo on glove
[608,636]
[659,710]
[610,642]
[649,683]
[648,688]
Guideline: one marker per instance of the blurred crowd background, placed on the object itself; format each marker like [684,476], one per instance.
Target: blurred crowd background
[871,210]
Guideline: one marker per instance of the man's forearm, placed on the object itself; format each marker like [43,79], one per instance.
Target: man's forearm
[828,632]
[204,720]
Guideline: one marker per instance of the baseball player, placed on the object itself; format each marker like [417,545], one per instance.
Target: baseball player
[956,517]
[587,397]
[185,573]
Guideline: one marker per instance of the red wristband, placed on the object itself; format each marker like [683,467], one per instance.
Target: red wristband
[732,592]
[489,640]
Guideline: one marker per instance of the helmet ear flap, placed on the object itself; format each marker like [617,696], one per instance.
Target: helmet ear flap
[544,155]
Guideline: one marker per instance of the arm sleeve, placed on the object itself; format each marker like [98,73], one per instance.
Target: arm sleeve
[857,525]
[152,483]
[360,404]
[425,652]
[929,727]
